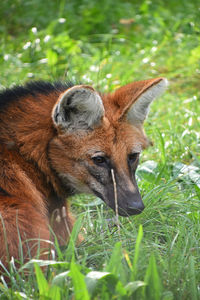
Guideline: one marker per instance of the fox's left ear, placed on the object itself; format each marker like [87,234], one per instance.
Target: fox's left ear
[78,108]
[135,98]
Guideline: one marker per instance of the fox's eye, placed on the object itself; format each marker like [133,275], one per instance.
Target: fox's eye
[99,160]
[133,157]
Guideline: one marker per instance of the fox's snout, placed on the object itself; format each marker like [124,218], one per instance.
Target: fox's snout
[129,201]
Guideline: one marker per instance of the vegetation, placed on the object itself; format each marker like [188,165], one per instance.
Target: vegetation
[107,43]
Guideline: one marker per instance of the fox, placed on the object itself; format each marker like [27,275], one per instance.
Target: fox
[59,139]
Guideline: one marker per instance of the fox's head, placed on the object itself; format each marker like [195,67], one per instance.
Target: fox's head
[98,133]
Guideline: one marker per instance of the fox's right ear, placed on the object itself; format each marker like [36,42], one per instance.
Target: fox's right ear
[78,108]
[133,100]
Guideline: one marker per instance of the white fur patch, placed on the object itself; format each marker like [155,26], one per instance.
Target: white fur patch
[139,110]
[80,108]
[74,183]
[81,187]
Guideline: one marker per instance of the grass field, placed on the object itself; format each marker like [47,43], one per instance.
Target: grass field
[108,43]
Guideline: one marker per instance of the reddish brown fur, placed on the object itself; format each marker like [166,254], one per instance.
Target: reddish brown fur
[33,188]
[30,187]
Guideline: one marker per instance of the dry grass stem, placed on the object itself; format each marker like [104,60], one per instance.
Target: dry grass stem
[116,202]
[64,216]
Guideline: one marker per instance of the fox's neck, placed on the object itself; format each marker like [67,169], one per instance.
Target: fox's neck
[26,130]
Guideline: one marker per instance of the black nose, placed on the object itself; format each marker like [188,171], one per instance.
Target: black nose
[135,208]
[130,204]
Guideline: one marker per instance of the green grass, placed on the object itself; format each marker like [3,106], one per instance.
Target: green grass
[157,254]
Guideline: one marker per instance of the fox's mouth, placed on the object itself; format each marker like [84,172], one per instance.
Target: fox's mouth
[128,209]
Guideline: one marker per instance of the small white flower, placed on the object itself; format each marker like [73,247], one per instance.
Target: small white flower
[86,78]
[145,60]
[94,68]
[34,30]
[114,31]
[116,82]
[6,57]
[27,45]
[30,75]
[153,49]
[37,41]
[62,20]
[47,38]
[43,60]
[190,122]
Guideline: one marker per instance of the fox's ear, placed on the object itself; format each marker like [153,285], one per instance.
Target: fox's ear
[78,108]
[135,98]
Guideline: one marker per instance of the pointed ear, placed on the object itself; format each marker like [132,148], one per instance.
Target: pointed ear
[78,108]
[135,98]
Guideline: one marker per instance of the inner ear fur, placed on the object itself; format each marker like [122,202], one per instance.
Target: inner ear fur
[78,108]
[133,100]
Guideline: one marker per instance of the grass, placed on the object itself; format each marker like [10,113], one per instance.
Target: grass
[157,254]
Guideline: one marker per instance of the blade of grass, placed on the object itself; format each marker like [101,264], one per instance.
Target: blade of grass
[153,290]
[80,288]
[72,242]
[136,254]
[41,281]
[192,285]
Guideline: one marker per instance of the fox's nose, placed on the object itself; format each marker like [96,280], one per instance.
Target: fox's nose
[134,204]
[135,208]
[130,204]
